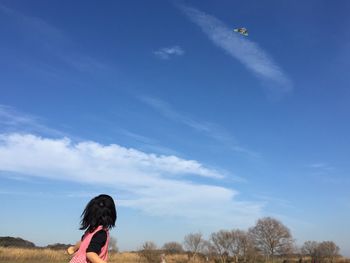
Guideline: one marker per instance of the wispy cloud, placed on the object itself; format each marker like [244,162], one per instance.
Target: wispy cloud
[244,50]
[209,129]
[321,166]
[13,120]
[168,111]
[168,52]
[274,201]
[325,173]
[159,185]
[148,144]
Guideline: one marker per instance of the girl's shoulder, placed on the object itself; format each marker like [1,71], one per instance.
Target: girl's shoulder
[101,234]
[96,229]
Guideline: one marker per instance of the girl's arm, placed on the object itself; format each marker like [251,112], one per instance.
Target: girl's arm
[94,258]
[71,250]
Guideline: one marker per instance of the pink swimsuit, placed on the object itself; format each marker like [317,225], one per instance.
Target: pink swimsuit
[80,255]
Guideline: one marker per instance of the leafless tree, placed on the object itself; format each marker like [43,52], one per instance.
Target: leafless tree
[222,242]
[297,253]
[149,252]
[244,246]
[271,237]
[310,248]
[235,243]
[328,250]
[193,243]
[323,251]
[208,250]
[172,248]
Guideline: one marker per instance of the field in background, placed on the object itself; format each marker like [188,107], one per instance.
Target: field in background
[27,255]
[35,255]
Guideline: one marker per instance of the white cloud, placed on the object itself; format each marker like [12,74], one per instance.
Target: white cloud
[244,50]
[167,52]
[158,185]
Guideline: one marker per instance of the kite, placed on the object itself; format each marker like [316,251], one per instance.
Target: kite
[242,30]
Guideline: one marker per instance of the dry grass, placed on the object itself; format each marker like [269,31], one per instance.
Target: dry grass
[20,255]
[32,255]
[123,257]
[343,260]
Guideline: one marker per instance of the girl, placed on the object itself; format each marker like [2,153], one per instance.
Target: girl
[98,218]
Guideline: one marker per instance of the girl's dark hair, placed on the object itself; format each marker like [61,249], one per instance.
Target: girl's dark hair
[100,211]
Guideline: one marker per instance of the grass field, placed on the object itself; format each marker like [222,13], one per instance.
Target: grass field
[12,255]
[20,255]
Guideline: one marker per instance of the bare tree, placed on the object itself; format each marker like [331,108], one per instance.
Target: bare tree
[271,237]
[193,243]
[173,248]
[244,246]
[298,253]
[235,243]
[310,248]
[149,252]
[328,250]
[222,242]
[324,251]
[252,253]
[208,250]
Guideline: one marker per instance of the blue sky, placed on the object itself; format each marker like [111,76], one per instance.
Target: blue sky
[190,126]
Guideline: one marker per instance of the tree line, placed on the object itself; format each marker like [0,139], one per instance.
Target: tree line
[267,241]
